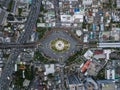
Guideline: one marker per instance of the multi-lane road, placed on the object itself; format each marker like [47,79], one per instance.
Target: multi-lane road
[6,75]
[18,46]
[5,3]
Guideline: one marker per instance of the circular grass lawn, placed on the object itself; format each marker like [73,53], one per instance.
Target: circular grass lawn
[59,45]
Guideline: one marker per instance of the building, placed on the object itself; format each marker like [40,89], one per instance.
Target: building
[114,55]
[107,52]
[90,84]
[112,70]
[101,27]
[3,16]
[99,56]
[66,18]
[75,83]
[93,68]
[49,5]
[78,33]
[110,74]
[110,36]
[25,1]
[13,19]
[104,1]
[49,68]
[93,26]
[98,51]
[109,45]
[106,84]
[87,2]
[118,3]
[85,66]
[78,18]
[88,54]
[26,83]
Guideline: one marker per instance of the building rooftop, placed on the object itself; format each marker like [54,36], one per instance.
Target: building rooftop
[73,79]
[118,3]
[106,84]
[3,15]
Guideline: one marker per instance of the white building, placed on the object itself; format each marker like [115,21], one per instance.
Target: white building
[78,18]
[25,1]
[26,83]
[87,2]
[106,45]
[66,18]
[79,33]
[88,54]
[110,74]
[85,38]
[118,3]
[98,56]
[107,52]
[49,68]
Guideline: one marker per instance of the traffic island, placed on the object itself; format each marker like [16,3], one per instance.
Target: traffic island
[59,45]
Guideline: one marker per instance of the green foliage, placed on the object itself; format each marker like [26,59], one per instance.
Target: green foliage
[10,5]
[41,31]
[19,11]
[50,75]
[84,25]
[41,8]
[38,20]
[75,56]
[38,56]
[6,55]
[18,81]
[101,74]
[28,73]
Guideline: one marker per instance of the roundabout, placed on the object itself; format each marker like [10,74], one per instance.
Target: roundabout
[59,44]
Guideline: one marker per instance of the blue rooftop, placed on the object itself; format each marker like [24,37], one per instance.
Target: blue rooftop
[76,9]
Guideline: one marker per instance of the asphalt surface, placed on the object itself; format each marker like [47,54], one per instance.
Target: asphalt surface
[5,3]
[15,45]
[45,45]
[9,67]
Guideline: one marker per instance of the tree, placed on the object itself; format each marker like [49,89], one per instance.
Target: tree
[38,56]
[19,11]
[10,5]
[41,31]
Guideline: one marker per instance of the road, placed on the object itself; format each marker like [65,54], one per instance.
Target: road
[46,49]
[16,45]
[9,67]
[57,11]
[93,82]
[5,3]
